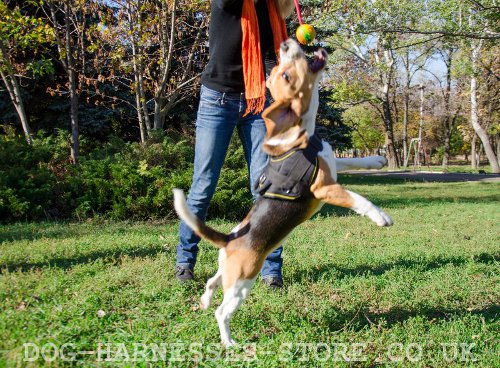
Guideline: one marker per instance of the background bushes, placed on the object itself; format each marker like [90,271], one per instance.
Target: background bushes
[119,180]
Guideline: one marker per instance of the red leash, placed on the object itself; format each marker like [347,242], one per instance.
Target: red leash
[298,10]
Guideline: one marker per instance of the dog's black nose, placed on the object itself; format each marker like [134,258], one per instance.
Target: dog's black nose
[284,46]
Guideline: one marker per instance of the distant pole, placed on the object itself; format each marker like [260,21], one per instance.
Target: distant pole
[421,125]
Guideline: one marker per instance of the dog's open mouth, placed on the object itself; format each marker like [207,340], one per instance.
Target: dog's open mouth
[319,61]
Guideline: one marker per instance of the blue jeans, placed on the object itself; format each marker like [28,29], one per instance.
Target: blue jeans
[218,115]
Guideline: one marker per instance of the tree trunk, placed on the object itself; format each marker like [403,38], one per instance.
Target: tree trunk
[141,114]
[142,125]
[447,143]
[75,141]
[167,53]
[145,110]
[480,131]
[140,98]
[473,154]
[488,149]
[392,157]
[159,117]
[15,96]
[405,124]
[420,150]
[386,80]
[406,62]
[447,122]
[14,90]
[73,93]
[497,139]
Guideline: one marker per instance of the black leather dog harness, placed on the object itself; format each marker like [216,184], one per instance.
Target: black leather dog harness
[290,175]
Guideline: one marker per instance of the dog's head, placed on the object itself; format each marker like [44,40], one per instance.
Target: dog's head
[292,84]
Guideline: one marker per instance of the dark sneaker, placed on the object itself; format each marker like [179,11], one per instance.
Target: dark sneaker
[273,282]
[183,273]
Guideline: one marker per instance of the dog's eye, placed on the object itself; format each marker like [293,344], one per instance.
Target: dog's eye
[286,76]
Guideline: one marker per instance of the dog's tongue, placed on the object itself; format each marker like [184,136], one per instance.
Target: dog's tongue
[318,62]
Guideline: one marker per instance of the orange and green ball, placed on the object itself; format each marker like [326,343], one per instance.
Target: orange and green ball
[305,34]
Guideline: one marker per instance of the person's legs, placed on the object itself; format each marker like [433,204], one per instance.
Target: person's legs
[217,117]
[252,131]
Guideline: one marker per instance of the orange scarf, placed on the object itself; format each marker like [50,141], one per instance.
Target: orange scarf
[253,69]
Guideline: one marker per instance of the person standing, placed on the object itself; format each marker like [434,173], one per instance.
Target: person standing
[244,37]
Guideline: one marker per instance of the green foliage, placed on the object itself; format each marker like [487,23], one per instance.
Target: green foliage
[23,31]
[119,180]
[26,181]
[457,146]
[329,122]
[20,32]
[232,198]
[39,68]
[368,134]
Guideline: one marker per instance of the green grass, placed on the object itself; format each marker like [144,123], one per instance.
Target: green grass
[430,282]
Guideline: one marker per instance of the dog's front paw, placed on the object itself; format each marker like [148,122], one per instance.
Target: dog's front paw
[379,217]
[387,219]
[376,162]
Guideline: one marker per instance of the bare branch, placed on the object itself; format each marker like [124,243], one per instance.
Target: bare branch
[486,35]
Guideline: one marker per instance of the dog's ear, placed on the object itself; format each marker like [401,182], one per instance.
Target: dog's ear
[279,117]
[283,128]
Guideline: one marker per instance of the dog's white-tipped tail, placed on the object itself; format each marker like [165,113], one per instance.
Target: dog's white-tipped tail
[183,211]
[217,238]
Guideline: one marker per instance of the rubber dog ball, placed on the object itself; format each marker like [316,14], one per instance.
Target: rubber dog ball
[305,34]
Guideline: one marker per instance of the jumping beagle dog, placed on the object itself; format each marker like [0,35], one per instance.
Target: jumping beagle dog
[290,122]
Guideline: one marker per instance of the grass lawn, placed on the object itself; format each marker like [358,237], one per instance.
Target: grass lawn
[425,292]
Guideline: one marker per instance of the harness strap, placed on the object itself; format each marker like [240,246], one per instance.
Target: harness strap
[290,175]
[315,142]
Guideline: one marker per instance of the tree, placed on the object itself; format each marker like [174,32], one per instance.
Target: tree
[70,21]
[449,113]
[362,33]
[369,34]
[474,109]
[490,107]
[477,20]
[449,118]
[413,60]
[473,25]
[161,44]
[21,33]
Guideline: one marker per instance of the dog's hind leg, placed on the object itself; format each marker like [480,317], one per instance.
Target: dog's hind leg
[233,297]
[213,282]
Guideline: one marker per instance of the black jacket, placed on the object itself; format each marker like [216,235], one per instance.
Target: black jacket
[224,71]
